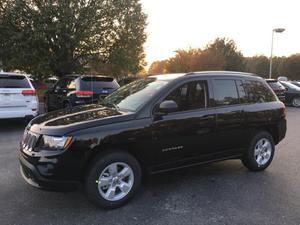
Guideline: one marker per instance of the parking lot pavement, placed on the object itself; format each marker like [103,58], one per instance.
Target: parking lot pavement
[221,193]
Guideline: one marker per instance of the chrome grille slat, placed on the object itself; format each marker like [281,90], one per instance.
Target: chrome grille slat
[30,140]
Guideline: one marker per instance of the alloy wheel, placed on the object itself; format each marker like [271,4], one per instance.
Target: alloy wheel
[115,181]
[263,151]
[296,102]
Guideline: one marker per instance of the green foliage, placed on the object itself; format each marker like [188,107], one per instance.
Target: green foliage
[65,36]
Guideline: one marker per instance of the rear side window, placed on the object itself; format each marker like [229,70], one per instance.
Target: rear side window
[258,92]
[225,92]
[14,82]
[93,83]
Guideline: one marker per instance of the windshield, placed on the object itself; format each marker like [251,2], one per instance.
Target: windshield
[290,85]
[132,96]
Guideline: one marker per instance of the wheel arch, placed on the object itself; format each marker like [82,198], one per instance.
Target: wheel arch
[91,158]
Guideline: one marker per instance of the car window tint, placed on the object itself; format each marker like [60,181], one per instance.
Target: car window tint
[258,92]
[190,96]
[241,91]
[14,82]
[225,92]
[95,83]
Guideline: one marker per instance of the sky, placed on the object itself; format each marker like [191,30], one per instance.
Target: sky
[181,24]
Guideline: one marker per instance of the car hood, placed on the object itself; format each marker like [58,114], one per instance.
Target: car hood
[62,122]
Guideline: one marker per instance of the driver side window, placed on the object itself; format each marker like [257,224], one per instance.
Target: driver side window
[191,95]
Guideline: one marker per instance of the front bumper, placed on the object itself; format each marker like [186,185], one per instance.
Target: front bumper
[33,176]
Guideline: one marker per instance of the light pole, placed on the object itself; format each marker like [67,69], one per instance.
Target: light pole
[277,30]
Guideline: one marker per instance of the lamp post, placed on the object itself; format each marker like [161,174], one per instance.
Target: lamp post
[277,30]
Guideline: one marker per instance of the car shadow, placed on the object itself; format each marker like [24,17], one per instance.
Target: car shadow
[12,125]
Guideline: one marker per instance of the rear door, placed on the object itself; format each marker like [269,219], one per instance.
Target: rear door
[12,96]
[229,99]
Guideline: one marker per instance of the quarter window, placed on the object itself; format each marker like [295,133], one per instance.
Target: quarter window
[225,92]
[258,92]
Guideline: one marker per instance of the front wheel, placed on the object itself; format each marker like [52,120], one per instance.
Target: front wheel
[113,179]
[260,152]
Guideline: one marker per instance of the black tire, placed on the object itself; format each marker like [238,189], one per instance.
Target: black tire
[98,166]
[295,102]
[249,159]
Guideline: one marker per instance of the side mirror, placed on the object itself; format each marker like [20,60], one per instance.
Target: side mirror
[166,107]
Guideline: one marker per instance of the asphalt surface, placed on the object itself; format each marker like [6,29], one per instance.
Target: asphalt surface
[220,193]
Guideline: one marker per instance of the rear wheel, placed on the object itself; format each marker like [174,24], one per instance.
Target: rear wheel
[296,102]
[113,179]
[260,152]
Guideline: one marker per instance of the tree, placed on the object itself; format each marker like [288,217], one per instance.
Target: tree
[234,59]
[258,65]
[64,36]
[291,67]
[158,67]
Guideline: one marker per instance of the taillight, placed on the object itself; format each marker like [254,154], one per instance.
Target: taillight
[84,94]
[29,92]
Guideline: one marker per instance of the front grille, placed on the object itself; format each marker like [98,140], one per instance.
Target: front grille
[30,140]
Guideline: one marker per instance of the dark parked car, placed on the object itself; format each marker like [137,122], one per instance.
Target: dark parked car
[292,95]
[74,90]
[278,88]
[153,125]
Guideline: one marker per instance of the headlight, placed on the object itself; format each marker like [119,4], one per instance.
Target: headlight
[55,143]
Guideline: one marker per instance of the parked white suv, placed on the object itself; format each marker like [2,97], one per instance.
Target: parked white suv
[18,97]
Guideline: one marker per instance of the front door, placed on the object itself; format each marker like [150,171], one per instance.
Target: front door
[181,136]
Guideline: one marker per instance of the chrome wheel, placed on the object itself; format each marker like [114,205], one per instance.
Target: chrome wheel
[296,102]
[115,181]
[263,151]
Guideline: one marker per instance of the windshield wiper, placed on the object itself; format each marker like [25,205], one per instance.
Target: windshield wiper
[110,105]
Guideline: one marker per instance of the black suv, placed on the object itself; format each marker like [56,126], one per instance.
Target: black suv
[73,90]
[152,125]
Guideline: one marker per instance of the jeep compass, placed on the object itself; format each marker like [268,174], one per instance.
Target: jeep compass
[152,125]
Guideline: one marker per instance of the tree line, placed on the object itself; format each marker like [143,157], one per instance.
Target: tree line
[223,54]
